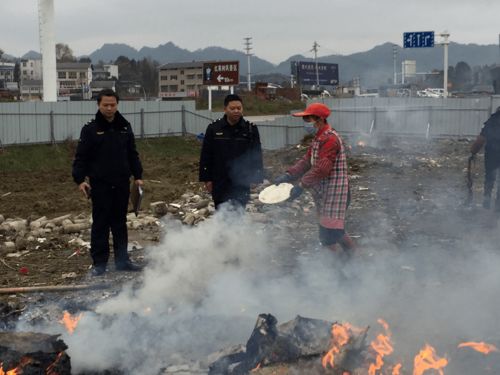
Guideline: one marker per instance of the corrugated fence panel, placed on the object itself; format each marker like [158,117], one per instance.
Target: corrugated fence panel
[272,137]
[27,123]
[41,118]
[197,122]
[70,118]
[281,132]
[9,121]
[152,118]
[132,112]
[436,117]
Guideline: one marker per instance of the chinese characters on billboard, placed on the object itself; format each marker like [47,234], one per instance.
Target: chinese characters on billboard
[221,73]
[305,73]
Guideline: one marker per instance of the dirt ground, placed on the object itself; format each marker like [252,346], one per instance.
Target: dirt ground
[416,186]
[407,193]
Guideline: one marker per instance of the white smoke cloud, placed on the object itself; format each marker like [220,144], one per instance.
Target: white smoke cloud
[204,287]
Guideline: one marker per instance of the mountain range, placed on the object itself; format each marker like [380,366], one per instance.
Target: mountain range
[373,67]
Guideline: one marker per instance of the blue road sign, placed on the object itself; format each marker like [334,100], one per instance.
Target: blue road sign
[305,73]
[418,39]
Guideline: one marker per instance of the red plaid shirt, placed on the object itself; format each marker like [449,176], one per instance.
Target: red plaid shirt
[323,170]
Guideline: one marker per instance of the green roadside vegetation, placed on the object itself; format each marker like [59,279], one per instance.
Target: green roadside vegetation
[47,158]
[255,106]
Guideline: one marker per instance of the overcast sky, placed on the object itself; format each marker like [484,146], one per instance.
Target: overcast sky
[279,29]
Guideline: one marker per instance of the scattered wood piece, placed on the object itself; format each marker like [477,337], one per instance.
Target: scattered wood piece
[6,265]
[48,288]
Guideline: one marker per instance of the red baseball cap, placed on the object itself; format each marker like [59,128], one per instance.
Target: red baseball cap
[316,109]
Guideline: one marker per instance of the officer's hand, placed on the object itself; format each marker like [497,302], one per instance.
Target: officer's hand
[283,178]
[139,182]
[85,189]
[295,192]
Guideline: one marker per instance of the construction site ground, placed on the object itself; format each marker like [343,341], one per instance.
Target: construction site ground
[410,190]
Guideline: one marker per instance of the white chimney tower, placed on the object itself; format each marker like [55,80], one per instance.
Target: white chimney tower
[48,49]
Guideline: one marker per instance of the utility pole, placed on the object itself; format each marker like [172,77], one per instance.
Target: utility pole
[248,48]
[46,17]
[315,50]
[445,35]
[394,57]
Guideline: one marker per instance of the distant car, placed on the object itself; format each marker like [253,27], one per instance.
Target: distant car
[431,93]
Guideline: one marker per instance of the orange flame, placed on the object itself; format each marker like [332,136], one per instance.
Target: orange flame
[51,369]
[18,370]
[480,347]
[340,336]
[382,346]
[256,368]
[69,321]
[396,369]
[427,359]
[361,144]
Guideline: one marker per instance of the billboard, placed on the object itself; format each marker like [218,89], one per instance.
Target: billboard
[221,73]
[305,73]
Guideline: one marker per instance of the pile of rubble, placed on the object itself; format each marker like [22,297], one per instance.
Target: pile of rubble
[18,234]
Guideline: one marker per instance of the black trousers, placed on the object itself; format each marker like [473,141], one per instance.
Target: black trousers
[237,196]
[109,212]
[491,170]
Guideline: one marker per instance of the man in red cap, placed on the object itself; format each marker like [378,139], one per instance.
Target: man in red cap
[323,170]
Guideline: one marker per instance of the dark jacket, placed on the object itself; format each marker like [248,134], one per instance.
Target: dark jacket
[106,152]
[491,132]
[231,157]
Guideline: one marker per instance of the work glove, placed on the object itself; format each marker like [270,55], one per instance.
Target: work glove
[283,178]
[295,192]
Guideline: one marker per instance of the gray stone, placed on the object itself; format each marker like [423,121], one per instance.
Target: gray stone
[189,219]
[202,203]
[159,208]
[21,243]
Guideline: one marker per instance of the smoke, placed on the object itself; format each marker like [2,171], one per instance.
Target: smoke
[189,304]
[204,287]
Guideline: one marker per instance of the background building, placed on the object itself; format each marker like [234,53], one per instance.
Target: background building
[180,80]
[31,69]
[6,73]
[73,80]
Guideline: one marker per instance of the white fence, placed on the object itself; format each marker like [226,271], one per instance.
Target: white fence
[37,122]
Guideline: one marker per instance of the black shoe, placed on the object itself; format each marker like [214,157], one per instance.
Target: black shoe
[98,270]
[128,266]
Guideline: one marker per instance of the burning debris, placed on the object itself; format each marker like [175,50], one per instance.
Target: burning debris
[480,347]
[29,353]
[413,237]
[299,339]
[315,346]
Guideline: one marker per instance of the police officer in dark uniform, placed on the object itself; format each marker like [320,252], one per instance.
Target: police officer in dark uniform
[490,136]
[107,155]
[231,156]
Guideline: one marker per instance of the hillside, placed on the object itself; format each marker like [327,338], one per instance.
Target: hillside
[373,67]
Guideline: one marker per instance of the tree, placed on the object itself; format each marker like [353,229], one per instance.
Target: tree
[85,59]
[462,76]
[64,53]
[17,72]
[1,53]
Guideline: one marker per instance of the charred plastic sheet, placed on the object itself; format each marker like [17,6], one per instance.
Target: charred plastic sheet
[298,339]
[33,353]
